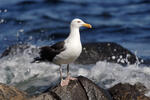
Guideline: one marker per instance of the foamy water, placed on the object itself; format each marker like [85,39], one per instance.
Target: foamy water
[18,70]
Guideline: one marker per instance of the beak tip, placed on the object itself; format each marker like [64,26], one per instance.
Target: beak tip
[87,25]
[90,26]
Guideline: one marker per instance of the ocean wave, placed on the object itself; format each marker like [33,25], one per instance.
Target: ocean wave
[19,71]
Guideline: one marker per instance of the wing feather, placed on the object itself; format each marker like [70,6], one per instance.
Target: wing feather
[47,53]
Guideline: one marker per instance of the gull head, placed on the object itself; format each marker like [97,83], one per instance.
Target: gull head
[79,23]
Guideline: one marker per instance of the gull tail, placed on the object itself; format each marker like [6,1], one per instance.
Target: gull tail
[36,60]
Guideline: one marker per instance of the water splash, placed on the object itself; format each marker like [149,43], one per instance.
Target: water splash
[17,70]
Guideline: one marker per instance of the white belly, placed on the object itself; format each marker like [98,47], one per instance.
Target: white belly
[71,53]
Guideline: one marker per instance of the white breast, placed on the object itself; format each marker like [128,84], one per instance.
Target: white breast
[71,53]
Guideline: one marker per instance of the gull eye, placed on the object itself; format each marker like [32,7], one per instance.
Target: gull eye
[78,21]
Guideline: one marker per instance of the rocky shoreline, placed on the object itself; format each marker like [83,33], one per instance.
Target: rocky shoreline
[80,89]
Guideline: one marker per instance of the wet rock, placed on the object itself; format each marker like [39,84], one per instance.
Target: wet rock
[141,88]
[11,93]
[91,53]
[19,49]
[72,92]
[14,49]
[128,92]
[46,96]
[105,51]
[81,89]
[93,91]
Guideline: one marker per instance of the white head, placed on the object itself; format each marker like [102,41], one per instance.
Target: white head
[78,23]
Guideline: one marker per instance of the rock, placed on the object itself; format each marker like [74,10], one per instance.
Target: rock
[14,49]
[93,91]
[105,51]
[81,89]
[46,96]
[128,92]
[73,91]
[141,88]
[92,52]
[11,93]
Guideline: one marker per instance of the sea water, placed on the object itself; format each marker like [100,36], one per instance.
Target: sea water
[44,22]
[18,70]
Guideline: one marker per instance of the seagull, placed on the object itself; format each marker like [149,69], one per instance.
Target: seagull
[64,52]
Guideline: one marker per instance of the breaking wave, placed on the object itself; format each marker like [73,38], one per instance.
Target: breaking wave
[19,71]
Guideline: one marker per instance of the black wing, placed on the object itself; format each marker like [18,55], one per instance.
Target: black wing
[47,53]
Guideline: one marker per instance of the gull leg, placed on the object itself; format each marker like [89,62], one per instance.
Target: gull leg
[60,70]
[68,74]
[63,82]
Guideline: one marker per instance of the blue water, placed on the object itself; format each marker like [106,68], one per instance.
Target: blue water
[42,22]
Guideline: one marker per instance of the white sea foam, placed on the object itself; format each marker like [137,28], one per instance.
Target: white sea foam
[18,70]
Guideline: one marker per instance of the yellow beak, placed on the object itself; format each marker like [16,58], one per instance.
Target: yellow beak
[87,25]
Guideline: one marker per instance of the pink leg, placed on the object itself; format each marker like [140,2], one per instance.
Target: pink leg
[64,82]
[68,78]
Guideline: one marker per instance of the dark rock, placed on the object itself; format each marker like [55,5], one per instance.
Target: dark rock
[73,91]
[141,88]
[93,91]
[14,49]
[128,92]
[81,89]
[91,53]
[46,96]
[11,93]
[105,51]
